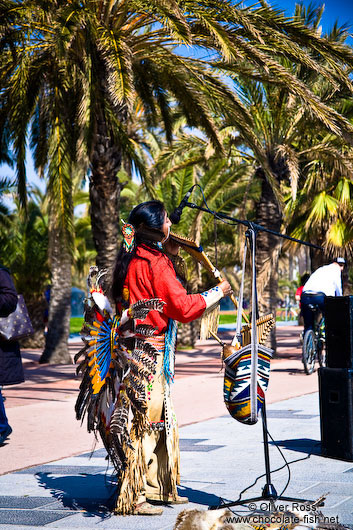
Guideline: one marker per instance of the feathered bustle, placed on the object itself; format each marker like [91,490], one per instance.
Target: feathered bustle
[115,363]
[145,330]
[141,308]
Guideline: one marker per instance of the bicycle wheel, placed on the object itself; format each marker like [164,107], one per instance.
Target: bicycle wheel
[321,347]
[321,352]
[309,351]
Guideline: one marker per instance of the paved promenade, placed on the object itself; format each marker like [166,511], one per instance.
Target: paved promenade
[47,477]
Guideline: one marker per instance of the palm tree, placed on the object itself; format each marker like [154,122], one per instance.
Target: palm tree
[102,55]
[84,251]
[6,186]
[42,106]
[323,207]
[69,71]
[106,55]
[193,160]
[284,144]
[190,160]
[225,187]
[74,70]
[24,250]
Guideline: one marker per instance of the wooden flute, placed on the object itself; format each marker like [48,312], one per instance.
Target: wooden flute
[197,252]
[264,324]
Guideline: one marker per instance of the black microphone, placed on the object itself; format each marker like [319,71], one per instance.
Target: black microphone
[176,214]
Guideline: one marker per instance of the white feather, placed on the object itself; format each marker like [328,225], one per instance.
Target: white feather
[102,301]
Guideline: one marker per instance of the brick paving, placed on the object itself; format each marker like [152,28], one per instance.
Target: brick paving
[48,478]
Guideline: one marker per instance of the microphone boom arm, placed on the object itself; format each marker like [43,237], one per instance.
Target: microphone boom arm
[250,224]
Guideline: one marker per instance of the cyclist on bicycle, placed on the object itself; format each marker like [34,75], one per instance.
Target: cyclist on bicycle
[325,281]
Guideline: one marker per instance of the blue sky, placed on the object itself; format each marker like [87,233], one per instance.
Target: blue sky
[341,10]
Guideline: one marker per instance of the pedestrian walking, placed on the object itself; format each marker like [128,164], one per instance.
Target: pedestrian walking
[11,369]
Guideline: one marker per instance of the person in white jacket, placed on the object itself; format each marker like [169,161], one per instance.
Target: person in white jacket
[325,281]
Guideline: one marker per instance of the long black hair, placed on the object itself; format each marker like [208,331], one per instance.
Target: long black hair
[145,216]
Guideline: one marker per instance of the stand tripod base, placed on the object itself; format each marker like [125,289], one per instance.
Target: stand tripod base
[270,499]
[269,492]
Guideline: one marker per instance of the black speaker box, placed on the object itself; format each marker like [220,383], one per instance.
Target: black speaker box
[336,412]
[339,331]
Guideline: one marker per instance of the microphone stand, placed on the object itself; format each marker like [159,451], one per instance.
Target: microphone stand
[269,492]
[251,225]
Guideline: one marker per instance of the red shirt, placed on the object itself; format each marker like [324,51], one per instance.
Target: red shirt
[299,291]
[154,277]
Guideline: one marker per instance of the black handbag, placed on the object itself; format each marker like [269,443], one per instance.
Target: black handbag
[18,324]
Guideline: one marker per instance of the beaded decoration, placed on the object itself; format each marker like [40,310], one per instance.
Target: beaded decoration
[169,352]
[128,232]
[149,386]
[157,425]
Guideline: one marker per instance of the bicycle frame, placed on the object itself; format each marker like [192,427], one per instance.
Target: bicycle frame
[313,342]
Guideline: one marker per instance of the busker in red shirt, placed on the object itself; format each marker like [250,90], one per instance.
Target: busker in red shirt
[144,271]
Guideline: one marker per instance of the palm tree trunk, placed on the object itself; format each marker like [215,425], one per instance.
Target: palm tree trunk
[56,344]
[36,308]
[104,191]
[317,257]
[188,334]
[269,215]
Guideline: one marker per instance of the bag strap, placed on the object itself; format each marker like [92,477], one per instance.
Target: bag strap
[3,268]
[254,346]
[254,341]
[237,336]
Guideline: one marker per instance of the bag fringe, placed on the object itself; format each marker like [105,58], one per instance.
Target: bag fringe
[209,322]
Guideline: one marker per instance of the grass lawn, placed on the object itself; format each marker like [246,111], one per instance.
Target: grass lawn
[225,318]
[230,318]
[76,324]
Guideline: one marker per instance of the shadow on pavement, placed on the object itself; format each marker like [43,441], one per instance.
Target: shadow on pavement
[302,445]
[199,497]
[290,371]
[93,494]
